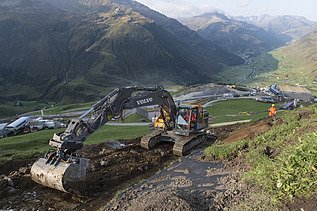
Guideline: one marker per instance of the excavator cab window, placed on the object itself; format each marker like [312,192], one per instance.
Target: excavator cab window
[187,118]
[183,119]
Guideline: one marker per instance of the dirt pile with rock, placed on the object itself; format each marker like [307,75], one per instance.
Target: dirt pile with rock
[113,166]
[124,176]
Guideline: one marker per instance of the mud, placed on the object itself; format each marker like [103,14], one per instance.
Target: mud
[248,131]
[112,167]
[124,176]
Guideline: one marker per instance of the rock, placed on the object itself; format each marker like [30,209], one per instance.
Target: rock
[3,183]
[132,151]
[13,174]
[144,167]
[10,182]
[236,192]
[160,151]
[24,170]
[103,163]
[102,152]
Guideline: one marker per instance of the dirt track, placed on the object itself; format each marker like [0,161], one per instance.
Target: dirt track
[111,169]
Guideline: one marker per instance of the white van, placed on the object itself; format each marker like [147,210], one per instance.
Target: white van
[18,124]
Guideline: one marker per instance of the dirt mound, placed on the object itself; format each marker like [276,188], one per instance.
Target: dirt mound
[113,166]
[249,131]
[302,204]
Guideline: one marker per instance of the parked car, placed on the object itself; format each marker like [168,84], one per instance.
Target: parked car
[266,99]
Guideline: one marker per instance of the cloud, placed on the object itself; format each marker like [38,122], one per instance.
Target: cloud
[180,9]
[245,3]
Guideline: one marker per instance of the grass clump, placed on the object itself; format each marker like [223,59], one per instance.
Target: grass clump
[292,173]
[226,151]
[284,158]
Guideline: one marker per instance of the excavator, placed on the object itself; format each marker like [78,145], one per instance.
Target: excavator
[63,169]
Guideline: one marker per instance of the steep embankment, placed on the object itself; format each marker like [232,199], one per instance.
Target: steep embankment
[275,167]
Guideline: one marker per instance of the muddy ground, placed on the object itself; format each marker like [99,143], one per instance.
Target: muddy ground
[124,176]
[112,167]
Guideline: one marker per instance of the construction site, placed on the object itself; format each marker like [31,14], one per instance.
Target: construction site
[121,171]
[185,162]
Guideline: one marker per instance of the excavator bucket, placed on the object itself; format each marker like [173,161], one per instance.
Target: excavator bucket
[66,177]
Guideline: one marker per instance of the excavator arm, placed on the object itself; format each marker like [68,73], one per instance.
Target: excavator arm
[63,166]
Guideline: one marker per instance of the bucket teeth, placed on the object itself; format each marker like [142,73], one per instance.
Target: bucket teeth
[64,176]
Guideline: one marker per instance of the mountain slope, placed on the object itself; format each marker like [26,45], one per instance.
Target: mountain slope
[234,36]
[287,26]
[77,49]
[208,52]
[297,63]
[294,64]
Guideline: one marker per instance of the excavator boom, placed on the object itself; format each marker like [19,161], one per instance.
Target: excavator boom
[63,168]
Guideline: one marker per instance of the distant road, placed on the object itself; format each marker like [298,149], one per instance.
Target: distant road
[127,124]
[235,98]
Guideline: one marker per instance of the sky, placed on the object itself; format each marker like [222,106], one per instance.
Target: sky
[190,8]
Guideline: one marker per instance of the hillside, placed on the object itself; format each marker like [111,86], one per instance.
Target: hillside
[287,27]
[293,64]
[297,63]
[76,50]
[232,35]
[274,162]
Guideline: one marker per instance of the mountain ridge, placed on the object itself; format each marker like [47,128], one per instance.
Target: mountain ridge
[289,27]
[233,35]
[76,53]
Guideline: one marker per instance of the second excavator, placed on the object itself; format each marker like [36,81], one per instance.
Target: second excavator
[63,169]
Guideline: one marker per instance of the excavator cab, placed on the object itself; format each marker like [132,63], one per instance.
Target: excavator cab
[190,119]
[188,132]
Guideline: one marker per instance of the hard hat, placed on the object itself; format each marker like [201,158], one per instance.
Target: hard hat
[273,105]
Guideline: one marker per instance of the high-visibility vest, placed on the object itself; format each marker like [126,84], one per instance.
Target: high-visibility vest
[272,111]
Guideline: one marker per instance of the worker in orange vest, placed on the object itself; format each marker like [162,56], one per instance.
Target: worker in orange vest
[272,111]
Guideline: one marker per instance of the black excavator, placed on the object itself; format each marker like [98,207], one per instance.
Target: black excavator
[63,169]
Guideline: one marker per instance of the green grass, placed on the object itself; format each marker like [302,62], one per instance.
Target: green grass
[226,151]
[240,109]
[25,146]
[36,144]
[283,160]
[135,118]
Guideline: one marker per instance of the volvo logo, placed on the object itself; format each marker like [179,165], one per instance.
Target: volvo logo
[145,101]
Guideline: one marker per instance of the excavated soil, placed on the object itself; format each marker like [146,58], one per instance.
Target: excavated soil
[124,176]
[113,166]
[248,131]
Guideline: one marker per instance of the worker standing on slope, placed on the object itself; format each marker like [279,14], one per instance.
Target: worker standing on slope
[272,111]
